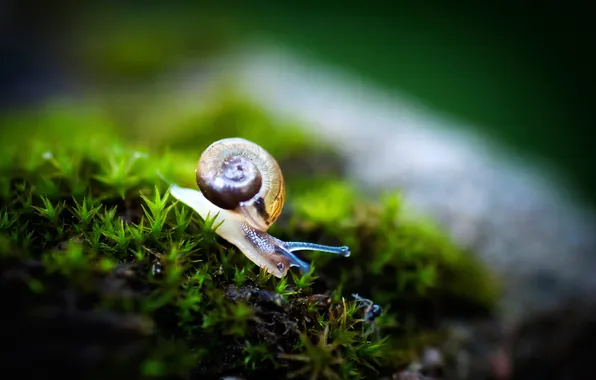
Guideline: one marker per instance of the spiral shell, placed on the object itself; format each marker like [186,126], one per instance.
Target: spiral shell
[236,174]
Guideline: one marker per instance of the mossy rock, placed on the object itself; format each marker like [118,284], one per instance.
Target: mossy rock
[104,274]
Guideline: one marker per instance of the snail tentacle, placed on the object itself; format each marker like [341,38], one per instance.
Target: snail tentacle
[303,246]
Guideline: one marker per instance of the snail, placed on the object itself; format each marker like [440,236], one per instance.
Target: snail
[242,187]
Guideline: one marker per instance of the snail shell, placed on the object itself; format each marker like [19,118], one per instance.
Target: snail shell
[235,174]
[242,188]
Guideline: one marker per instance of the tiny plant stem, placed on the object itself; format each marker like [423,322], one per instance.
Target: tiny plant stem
[303,246]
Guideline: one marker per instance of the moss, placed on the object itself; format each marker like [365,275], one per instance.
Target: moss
[93,245]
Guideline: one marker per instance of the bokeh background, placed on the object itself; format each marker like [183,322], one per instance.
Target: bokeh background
[522,74]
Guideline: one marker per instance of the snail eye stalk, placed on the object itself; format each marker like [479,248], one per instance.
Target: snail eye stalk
[303,246]
[286,249]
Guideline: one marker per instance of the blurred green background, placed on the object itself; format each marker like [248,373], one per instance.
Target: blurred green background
[520,73]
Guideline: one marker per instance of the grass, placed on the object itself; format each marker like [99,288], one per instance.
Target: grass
[91,239]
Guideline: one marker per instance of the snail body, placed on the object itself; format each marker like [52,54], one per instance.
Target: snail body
[242,187]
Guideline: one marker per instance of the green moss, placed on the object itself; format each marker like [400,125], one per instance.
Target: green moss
[83,213]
